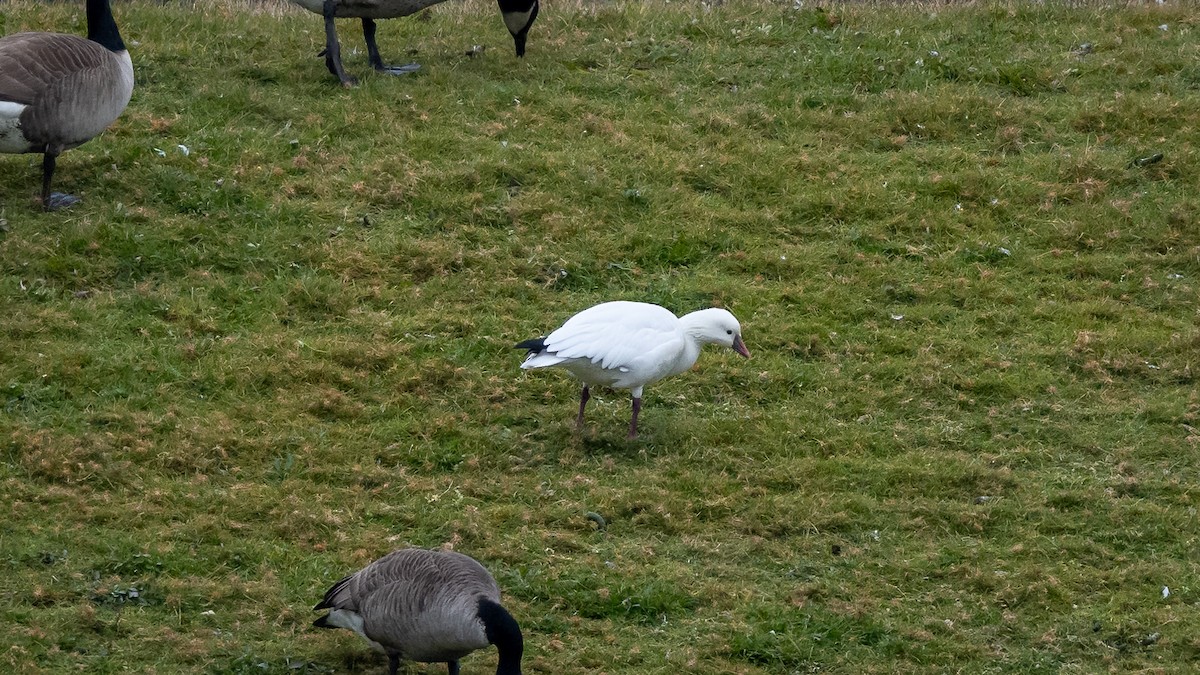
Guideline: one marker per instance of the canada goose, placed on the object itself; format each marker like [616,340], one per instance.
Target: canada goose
[627,345]
[429,606]
[518,17]
[59,91]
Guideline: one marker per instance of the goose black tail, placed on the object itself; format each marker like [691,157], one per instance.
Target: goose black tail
[328,600]
[323,622]
[534,346]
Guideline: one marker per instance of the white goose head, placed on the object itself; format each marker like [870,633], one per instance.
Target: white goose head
[715,326]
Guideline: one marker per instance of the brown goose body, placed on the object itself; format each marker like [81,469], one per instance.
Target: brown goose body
[59,91]
[429,606]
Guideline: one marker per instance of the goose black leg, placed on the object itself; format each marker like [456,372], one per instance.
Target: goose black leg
[393,664]
[53,201]
[583,399]
[452,667]
[373,53]
[333,51]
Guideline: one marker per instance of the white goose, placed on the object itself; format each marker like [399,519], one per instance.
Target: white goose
[628,345]
[58,91]
[429,606]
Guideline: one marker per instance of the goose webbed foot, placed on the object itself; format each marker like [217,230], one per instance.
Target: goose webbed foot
[59,200]
[53,201]
[398,70]
[375,60]
[334,63]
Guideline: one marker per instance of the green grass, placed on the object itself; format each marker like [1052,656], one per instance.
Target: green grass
[966,442]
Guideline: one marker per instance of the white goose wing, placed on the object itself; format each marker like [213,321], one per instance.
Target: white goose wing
[614,334]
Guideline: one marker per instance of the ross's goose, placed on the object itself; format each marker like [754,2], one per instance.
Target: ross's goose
[628,345]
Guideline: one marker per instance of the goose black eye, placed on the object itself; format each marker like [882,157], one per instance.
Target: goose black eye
[729,332]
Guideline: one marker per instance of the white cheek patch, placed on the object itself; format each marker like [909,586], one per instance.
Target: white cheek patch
[516,21]
[11,138]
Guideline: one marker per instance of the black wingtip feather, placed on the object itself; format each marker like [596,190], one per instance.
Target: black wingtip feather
[327,601]
[534,346]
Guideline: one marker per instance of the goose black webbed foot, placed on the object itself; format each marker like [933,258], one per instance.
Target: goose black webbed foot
[398,70]
[60,200]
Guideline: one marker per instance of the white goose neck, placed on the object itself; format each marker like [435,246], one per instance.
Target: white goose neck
[698,326]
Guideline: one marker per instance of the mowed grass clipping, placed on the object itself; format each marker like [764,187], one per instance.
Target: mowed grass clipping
[274,341]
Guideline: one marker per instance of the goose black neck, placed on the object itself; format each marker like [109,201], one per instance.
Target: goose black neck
[102,27]
[516,5]
[502,630]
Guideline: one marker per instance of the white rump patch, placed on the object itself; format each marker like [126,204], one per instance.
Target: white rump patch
[11,138]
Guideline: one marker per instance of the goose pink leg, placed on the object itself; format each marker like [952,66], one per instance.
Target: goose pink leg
[637,407]
[583,399]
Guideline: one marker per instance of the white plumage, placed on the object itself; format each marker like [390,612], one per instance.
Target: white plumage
[628,345]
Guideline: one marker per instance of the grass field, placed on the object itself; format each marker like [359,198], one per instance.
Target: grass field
[966,442]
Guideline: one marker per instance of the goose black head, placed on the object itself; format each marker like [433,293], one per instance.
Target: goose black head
[519,15]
